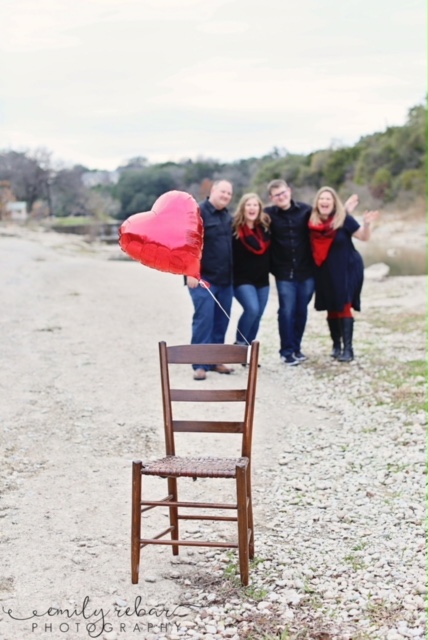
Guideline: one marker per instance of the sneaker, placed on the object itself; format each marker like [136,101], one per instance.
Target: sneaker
[300,356]
[290,361]
[199,374]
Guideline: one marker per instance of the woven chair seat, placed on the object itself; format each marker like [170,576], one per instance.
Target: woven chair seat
[194,467]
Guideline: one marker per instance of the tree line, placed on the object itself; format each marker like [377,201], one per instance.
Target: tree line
[383,168]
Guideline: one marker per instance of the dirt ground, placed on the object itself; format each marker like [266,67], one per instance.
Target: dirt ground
[80,399]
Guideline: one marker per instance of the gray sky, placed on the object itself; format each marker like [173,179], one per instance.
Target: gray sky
[100,81]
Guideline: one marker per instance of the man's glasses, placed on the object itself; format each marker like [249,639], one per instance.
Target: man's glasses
[279,195]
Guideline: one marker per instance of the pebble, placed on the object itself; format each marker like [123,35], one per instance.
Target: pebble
[341,535]
[120,602]
[211,629]
[339,501]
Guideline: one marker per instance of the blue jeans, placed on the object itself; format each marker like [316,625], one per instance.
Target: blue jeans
[294,298]
[209,323]
[253,301]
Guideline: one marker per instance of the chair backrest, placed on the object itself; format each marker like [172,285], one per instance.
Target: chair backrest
[211,354]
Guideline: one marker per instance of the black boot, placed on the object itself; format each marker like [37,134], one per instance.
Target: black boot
[347,326]
[335,332]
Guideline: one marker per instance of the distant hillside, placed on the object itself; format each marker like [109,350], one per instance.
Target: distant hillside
[385,167]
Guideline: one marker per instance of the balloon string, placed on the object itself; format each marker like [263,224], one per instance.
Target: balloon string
[202,283]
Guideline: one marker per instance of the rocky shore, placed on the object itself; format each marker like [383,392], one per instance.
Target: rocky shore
[339,462]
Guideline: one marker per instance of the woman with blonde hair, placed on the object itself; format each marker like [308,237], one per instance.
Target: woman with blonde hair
[340,270]
[251,242]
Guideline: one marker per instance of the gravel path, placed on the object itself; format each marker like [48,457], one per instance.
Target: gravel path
[339,463]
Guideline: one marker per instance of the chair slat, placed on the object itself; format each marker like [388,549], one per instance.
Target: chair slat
[208,354]
[208,395]
[188,543]
[196,505]
[205,426]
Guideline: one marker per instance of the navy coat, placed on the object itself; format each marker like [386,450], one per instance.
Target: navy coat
[339,280]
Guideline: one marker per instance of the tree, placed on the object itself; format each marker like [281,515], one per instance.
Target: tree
[195,171]
[287,168]
[340,166]
[138,190]
[101,205]
[27,178]
[69,194]
[135,164]
[380,185]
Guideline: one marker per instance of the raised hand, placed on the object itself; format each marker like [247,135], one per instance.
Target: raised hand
[370,216]
[352,203]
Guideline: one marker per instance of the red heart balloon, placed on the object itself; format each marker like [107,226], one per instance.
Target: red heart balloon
[167,238]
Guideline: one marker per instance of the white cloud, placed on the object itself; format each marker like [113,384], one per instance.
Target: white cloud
[53,24]
[250,85]
[99,81]
[223,27]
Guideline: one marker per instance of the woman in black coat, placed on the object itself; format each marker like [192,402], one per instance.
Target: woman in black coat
[250,246]
[340,270]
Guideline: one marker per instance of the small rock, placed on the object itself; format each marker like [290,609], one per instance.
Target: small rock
[377,272]
[211,629]
[120,603]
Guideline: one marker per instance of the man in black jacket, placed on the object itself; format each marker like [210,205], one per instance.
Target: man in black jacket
[209,324]
[293,267]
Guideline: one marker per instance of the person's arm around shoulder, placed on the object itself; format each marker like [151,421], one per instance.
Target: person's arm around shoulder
[365,231]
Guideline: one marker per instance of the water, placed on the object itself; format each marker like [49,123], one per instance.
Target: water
[402,261]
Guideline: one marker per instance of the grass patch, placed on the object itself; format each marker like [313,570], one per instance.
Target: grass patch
[398,322]
[381,613]
[394,467]
[355,561]
[385,382]
[73,221]
[404,383]
[231,572]
[417,368]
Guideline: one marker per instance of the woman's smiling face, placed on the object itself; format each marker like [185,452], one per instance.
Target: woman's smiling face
[251,210]
[326,204]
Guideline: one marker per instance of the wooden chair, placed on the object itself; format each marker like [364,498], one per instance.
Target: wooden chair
[173,467]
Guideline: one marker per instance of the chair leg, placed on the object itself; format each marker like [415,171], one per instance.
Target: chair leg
[250,516]
[241,490]
[136,520]
[173,515]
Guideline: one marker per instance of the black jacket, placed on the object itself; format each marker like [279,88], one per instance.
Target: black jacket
[290,253]
[248,267]
[216,263]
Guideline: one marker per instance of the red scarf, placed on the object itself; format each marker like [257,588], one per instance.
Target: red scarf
[322,237]
[256,240]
